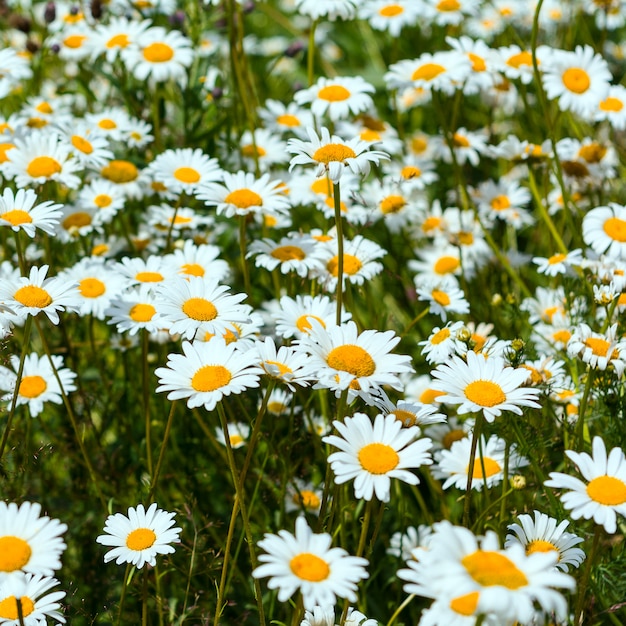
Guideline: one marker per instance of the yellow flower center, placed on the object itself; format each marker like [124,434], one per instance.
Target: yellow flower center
[521,58]
[493,568]
[465,605]
[33,296]
[210,377]
[460,141]
[410,171]
[447,265]
[81,144]
[100,249]
[4,148]
[465,238]
[307,499]
[102,200]
[140,539]
[333,93]
[431,223]
[244,198]
[149,277]
[76,220]
[43,166]
[91,287]
[304,325]
[378,458]
[118,41]
[288,253]
[484,393]
[391,10]
[32,386]
[142,312]
[158,52]
[607,490]
[539,545]
[288,120]
[440,297]
[428,71]
[351,265]
[119,171]
[599,346]
[592,153]
[576,79]
[352,359]
[406,418]
[186,175]
[74,41]
[448,5]
[307,566]
[192,269]
[555,259]
[449,438]
[14,553]
[440,336]
[36,122]
[16,217]
[499,203]
[615,228]
[333,152]
[250,151]
[8,607]
[107,124]
[478,63]
[611,104]
[370,135]
[199,309]
[491,467]
[44,107]
[392,204]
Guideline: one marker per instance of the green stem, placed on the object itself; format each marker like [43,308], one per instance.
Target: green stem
[478,424]
[584,583]
[582,409]
[144,598]
[166,435]
[339,227]
[229,540]
[545,216]
[145,386]
[242,254]
[127,578]
[399,610]
[365,527]
[310,57]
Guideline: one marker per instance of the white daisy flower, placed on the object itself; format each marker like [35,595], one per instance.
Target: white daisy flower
[119,33]
[390,15]
[303,497]
[18,212]
[603,496]
[138,537]
[373,454]
[442,343]
[604,229]
[330,9]
[29,542]
[613,108]
[208,371]
[134,310]
[443,298]
[599,350]
[293,253]
[306,562]
[238,433]
[332,154]
[558,263]
[288,365]
[542,534]
[484,384]
[295,315]
[37,606]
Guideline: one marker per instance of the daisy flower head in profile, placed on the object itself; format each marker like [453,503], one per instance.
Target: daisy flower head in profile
[208,371]
[580,80]
[330,9]
[37,294]
[19,212]
[542,534]
[599,350]
[29,542]
[332,154]
[138,537]
[411,412]
[35,603]
[559,262]
[474,575]
[390,15]
[325,616]
[133,310]
[444,298]
[613,108]
[306,562]
[337,97]
[288,365]
[486,385]
[604,230]
[38,383]
[342,358]
[603,496]
[372,454]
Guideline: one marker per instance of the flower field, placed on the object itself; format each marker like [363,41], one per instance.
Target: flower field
[312,312]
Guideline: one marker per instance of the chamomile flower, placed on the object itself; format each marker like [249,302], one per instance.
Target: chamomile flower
[372,454]
[579,80]
[38,383]
[134,310]
[443,298]
[293,253]
[159,55]
[325,616]
[558,263]
[198,260]
[442,343]
[542,534]
[138,537]
[484,384]
[332,154]
[38,294]
[444,12]
[452,465]
[341,358]
[411,413]
[30,542]
[238,433]
[603,496]
[613,108]
[285,364]
[337,97]
[390,15]
[306,562]
[119,33]
[19,212]
[295,316]
[184,169]
[290,118]
[604,229]
[195,305]
[208,371]
[39,158]
[331,9]
[242,194]
[303,497]
[37,606]
[599,350]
